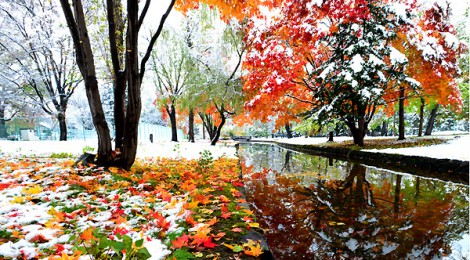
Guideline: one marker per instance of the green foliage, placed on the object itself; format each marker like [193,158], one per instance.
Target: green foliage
[73,208]
[5,234]
[181,254]
[87,148]
[308,126]
[205,159]
[61,155]
[100,246]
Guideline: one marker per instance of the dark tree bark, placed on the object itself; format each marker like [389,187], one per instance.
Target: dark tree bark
[431,120]
[218,129]
[384,129]
[396,202]
[286,166]
[417,185]
[421,117]
[172,115]
[131,74]
[330,136]
[86,64]
[62,127]
[134,103]
[191,125]
[116,35]
[208,124]
[288,131]
[361,191]
[358,132]
[401,114]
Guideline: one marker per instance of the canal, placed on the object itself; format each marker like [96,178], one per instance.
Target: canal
[313,207]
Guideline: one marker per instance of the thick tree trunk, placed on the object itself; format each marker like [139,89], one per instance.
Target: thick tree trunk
[401,114]
[358,132]
[421,117]
[288,131]
[85,61]
[99,121]
[172,115]
[384,129]
[191,125]
[431,120]
[134,103]
[62,127]
[119,109]
[330,136]
[116,35]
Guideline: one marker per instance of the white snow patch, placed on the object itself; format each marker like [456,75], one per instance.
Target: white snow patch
[374,60]
[156,249]
[327,71]
[356,63]
[396,57]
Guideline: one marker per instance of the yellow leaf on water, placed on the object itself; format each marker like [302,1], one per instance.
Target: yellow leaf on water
[198,254]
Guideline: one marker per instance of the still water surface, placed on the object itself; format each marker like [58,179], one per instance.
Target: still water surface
[314,207]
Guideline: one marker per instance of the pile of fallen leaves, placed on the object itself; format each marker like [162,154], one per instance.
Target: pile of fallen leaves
[161,209]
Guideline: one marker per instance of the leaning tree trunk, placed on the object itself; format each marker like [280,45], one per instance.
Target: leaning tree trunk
[62,126]
[172,115]
[191,125]
[401,114]
[215,139]
[86,64]
[421,118]
[134,103]
[431,120]
[208,125]
[99,121]
[288,131]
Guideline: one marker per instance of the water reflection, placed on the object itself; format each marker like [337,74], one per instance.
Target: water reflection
[315,207]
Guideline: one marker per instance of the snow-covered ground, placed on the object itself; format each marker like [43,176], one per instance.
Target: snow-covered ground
[456,148]
[161,149]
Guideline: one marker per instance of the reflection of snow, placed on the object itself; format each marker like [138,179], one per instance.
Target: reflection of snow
[461,248]
[352,244]
[389,247]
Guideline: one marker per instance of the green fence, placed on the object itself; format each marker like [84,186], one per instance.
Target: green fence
[30,129]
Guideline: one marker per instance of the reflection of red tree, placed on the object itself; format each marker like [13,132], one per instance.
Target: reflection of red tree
[342,218]
[279,211]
